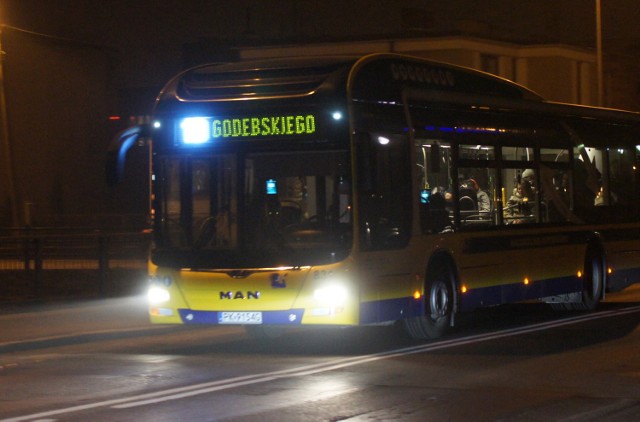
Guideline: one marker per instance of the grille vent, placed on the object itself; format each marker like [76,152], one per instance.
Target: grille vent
[214,84]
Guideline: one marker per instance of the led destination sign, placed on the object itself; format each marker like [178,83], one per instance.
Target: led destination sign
[199,130]
[264,126]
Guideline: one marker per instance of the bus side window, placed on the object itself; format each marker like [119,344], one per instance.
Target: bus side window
[478,180]
[623,177]
[588,189]
[625,182]
[433,166]
[555,188]
[384,185]
[617,196]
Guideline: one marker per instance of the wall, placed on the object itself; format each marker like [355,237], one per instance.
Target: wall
[57,98]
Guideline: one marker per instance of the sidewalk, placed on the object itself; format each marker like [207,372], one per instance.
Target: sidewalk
[19,289]
[38,326]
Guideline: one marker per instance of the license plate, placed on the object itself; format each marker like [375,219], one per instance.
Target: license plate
[240,318]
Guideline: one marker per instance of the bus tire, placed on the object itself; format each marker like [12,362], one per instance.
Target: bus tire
[593,281]
[438,304]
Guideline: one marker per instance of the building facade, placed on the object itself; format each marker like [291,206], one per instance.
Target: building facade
[557,72]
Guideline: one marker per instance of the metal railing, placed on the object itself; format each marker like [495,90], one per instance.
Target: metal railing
[39,262]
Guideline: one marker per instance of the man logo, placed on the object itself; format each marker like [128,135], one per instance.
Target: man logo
[240,295]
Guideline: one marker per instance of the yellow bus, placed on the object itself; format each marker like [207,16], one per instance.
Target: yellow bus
[347,191]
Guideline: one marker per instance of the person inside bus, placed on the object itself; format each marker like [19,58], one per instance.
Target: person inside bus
[521,203]
[484,203]
[530,177]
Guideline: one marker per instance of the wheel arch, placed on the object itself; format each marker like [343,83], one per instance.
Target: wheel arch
[443,259]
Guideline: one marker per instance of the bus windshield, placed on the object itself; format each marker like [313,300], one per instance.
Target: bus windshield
[252,209]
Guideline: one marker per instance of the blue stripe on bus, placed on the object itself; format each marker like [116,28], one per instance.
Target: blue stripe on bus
[623,278]
[390,310]
[509,293]
[407,307]
[288,317]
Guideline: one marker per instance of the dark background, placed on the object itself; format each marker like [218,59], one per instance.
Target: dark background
[153,39]
[59,126]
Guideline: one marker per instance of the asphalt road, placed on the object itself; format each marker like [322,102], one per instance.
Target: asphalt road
[101,360]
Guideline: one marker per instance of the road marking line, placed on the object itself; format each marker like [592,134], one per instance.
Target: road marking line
[358,360]
[213,386]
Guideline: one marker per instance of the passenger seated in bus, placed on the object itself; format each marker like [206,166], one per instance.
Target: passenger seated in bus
[448,198]
[484,203]
[520,204]
[530,177]
[523,192]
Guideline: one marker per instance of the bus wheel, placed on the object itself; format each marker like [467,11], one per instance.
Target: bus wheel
[439,304]
[592,282]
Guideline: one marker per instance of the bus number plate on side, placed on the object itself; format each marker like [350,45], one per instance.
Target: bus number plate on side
[240,318]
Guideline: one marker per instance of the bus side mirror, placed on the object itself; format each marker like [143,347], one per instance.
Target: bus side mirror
[117,152]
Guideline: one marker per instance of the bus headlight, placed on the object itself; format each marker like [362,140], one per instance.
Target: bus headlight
[333,294]
[195,130]
[157,295]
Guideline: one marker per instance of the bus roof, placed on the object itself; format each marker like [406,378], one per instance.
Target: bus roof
[379,77]
[374,75]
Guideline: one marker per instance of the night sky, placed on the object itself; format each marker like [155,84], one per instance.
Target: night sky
[148,36]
